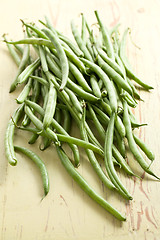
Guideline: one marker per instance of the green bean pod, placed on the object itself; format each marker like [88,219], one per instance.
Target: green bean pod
[23,62]
[84,185]
[25,92]
[50,106]
[80,42]
[108,159]
[62,56]
[95,87]
[39,163]
[9,147]
[79,77]
[28,71]
[13,52]
[144,147]
[106,37]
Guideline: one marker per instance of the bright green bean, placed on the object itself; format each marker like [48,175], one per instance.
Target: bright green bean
[9,147]
[84,185]
[106,38]
[144,147]
[95,86]
[62,56]
[79,77]
[40,164]
[108,159]
[50,106]
[79,41]
[25,92]
[28,71]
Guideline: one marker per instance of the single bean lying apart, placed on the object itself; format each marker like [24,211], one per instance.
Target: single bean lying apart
[87,83]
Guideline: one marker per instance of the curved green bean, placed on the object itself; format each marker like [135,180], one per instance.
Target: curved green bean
[40,164]
[9,147]
[84,185]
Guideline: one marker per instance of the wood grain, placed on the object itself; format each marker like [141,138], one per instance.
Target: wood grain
[67,213]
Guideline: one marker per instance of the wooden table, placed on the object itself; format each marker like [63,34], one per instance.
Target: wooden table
[67,213]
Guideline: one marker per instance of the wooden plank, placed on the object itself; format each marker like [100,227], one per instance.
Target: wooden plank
[67,213]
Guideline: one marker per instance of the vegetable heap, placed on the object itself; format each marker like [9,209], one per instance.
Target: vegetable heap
[89,82]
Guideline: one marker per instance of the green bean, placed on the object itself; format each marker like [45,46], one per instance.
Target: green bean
[74,100]
[79,77]
[82,143]
[46,142]
[40,80]
[43,59]
[40,164]
[53,67]
[135,92]
[49,25]
[9,148]
[100,84]
[50,106]
[25,92]
[71,56]
[95,87]
[109,61]
[62,57]
[34,97]
[114,75]
[12,51]
[28,71]
[74,48]
[84,185]
[106,82]
[108,159]
[96,121]
[23,62]
[33,41]
[127,65]
[33,138]
[79,41]
[80,92]
[118,122]
[83,30]
[74,59]
[144,147]
[106,38]
[34,28]
[122,161]
[132,143]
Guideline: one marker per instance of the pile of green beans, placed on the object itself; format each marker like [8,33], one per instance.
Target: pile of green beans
[88,81]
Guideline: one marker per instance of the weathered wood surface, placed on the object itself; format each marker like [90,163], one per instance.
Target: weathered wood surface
[67,213]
